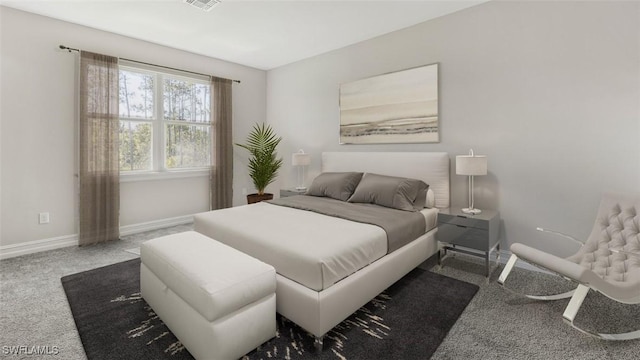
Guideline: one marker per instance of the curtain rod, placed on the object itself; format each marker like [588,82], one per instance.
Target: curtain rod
[145,63]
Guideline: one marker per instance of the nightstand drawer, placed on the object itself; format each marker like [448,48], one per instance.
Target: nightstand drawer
[470,237]
[464,221]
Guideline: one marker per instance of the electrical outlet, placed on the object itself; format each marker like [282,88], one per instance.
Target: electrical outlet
[43,218]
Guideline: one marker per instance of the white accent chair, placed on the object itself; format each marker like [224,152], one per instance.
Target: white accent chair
[608,262]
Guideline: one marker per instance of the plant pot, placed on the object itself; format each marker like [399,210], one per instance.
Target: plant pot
[254,198]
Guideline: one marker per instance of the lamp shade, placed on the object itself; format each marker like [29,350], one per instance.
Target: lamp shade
[300,159]
[471,165]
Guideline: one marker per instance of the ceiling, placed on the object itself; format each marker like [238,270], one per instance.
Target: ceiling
[262,34]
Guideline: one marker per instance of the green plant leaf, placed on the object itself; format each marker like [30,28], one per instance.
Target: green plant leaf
[264,164]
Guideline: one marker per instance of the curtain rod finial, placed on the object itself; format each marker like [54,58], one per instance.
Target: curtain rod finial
[62,47]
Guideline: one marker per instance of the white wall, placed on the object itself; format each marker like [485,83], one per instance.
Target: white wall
[37,116]
[548,91]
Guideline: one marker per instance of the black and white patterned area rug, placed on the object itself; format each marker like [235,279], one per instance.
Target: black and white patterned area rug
[409,320]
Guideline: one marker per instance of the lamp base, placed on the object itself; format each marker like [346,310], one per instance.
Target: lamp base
[471,211]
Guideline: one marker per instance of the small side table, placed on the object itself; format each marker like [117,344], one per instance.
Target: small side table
[291,192]
[457,231]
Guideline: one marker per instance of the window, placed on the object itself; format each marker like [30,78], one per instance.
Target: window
[165,121]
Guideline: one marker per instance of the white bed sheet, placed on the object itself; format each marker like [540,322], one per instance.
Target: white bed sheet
[312,249]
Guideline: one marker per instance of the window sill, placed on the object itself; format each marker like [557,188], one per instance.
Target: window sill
[164,175]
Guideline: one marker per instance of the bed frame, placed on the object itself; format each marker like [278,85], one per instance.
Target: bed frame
[319,311]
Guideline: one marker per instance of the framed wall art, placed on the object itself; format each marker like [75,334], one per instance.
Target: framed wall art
[399,107]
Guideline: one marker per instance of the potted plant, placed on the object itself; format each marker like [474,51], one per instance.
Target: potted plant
[263,162]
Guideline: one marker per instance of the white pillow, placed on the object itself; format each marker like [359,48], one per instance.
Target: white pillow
[431,199]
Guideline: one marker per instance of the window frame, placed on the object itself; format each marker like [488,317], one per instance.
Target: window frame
[159,125]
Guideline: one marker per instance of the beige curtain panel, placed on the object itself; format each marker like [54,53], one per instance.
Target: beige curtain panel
[99,152]
[221,177]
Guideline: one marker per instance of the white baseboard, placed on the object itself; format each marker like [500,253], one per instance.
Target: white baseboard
[156,224]
[30,247]
[504,257]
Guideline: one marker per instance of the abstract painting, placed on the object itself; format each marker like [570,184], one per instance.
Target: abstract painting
[399,107]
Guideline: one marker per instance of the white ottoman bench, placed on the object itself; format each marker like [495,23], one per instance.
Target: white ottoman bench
[220,303]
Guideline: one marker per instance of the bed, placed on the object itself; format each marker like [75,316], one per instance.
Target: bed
[353,264]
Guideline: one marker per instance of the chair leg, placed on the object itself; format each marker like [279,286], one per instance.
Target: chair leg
[572,309]
[575,303]
[507,270]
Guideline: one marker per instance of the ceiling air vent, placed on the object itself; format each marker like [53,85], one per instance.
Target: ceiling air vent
[205,5]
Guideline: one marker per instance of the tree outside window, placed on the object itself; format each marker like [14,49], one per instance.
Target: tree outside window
[165,121]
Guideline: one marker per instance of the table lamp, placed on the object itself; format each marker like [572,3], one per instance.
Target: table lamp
[301,160]
[471,165]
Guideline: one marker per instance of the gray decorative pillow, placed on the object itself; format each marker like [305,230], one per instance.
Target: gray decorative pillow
[390,191]
[336,185]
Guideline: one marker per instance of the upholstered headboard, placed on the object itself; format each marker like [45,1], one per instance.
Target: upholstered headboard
[430,167]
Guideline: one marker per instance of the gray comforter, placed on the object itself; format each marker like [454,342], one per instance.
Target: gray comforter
[401,226]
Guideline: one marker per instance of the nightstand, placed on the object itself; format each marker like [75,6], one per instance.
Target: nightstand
[475,235]
[291,192]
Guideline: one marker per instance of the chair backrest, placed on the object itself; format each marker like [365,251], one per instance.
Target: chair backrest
[617,226]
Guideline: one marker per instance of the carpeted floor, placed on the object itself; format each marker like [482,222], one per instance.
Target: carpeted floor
[496,325]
